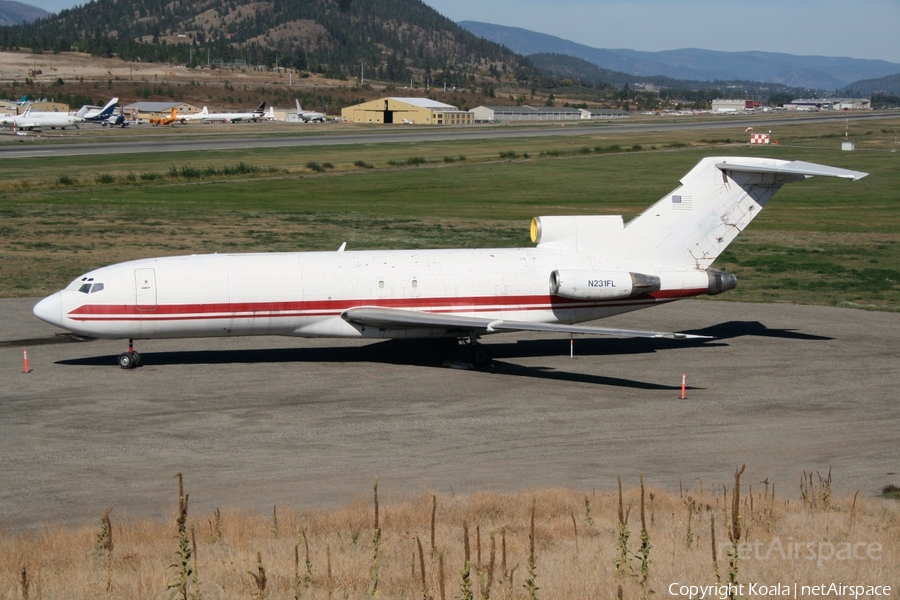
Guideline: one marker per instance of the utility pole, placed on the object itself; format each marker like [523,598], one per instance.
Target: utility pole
[362,71]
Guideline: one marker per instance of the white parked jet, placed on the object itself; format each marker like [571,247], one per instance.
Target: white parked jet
[29,120]
[235,117]
[582,268]
[308,116]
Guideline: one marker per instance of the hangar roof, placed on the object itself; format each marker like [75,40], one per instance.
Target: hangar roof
[424,103]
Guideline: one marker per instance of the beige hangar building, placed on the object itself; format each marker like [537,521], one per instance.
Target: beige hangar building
[410,111]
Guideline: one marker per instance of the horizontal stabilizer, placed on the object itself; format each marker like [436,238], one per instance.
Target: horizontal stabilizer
[797,167]
[393,318]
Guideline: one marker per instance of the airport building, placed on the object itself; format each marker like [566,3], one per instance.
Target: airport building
[12,108]
[814,104]
[410,111]
[732,105]
[492,114]
[603,114]
[155,110]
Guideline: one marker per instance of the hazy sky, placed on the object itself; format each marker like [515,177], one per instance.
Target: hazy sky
[861,29]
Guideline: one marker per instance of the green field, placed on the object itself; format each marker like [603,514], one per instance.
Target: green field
[823,241]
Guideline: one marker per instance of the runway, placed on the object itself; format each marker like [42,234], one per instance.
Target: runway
[32,147]
[254,422]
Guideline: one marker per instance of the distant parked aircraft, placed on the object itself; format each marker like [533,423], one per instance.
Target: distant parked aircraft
[227,117]
[30,121]
[93,115]
[308,116]
[170,120]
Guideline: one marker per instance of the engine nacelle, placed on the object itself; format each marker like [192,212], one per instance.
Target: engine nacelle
[601,285]
[720,281]
[586,233]
[712,280]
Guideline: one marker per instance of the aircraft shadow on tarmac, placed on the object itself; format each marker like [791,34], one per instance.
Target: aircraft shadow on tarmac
[416,353]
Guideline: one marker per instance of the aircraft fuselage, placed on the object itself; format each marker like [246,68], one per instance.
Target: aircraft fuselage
[304,294]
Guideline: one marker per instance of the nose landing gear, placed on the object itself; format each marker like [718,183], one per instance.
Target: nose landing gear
[130,359]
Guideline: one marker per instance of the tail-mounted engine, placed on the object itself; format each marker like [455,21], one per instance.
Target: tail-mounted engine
[601,285]
[719,281]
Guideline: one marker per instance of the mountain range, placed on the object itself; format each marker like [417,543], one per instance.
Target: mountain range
[692,64]
[16,13]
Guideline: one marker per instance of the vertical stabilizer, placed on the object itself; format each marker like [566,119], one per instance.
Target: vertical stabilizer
[691,226]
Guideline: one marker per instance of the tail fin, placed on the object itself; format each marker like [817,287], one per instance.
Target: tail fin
[297,102]
[108,109]
[692,226]
[261,108]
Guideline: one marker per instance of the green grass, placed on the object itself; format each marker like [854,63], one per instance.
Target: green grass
[822,241]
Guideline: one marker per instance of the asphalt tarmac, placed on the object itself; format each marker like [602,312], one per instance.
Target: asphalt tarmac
[254,422]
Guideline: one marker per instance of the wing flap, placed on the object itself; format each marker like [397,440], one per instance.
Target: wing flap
[393,318]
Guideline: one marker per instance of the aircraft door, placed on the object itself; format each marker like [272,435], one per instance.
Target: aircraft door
[145,290]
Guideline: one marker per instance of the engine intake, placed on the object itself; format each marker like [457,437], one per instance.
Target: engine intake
[601,285]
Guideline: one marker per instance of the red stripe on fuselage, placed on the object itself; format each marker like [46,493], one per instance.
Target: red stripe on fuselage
[324,308]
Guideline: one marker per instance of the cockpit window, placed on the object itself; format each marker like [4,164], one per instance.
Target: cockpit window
[90,288]
[97,288]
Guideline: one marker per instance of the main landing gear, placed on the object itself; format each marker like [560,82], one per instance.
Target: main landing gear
[471,351]
[130,359]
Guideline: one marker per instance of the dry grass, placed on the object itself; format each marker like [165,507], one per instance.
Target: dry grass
[574,551]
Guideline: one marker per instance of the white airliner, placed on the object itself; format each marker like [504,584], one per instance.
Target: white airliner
[234,117]
[41,120]
[582,268]
[308,116]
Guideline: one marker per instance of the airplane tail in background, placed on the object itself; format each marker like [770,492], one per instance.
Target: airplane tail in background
[108,109]
[261,108]
[297,102]
[692,226]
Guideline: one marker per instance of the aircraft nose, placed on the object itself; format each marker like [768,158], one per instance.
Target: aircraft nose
[50,309]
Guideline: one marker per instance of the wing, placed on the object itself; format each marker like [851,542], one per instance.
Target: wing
[393,318]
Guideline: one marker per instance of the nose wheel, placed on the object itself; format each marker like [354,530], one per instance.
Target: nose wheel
[130,359]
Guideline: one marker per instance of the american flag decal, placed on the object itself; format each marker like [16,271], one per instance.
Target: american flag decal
[682,202]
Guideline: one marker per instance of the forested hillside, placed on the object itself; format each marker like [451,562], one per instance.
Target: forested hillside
[329,36]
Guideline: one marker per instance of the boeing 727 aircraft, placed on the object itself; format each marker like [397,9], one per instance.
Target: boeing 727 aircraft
[582,268]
